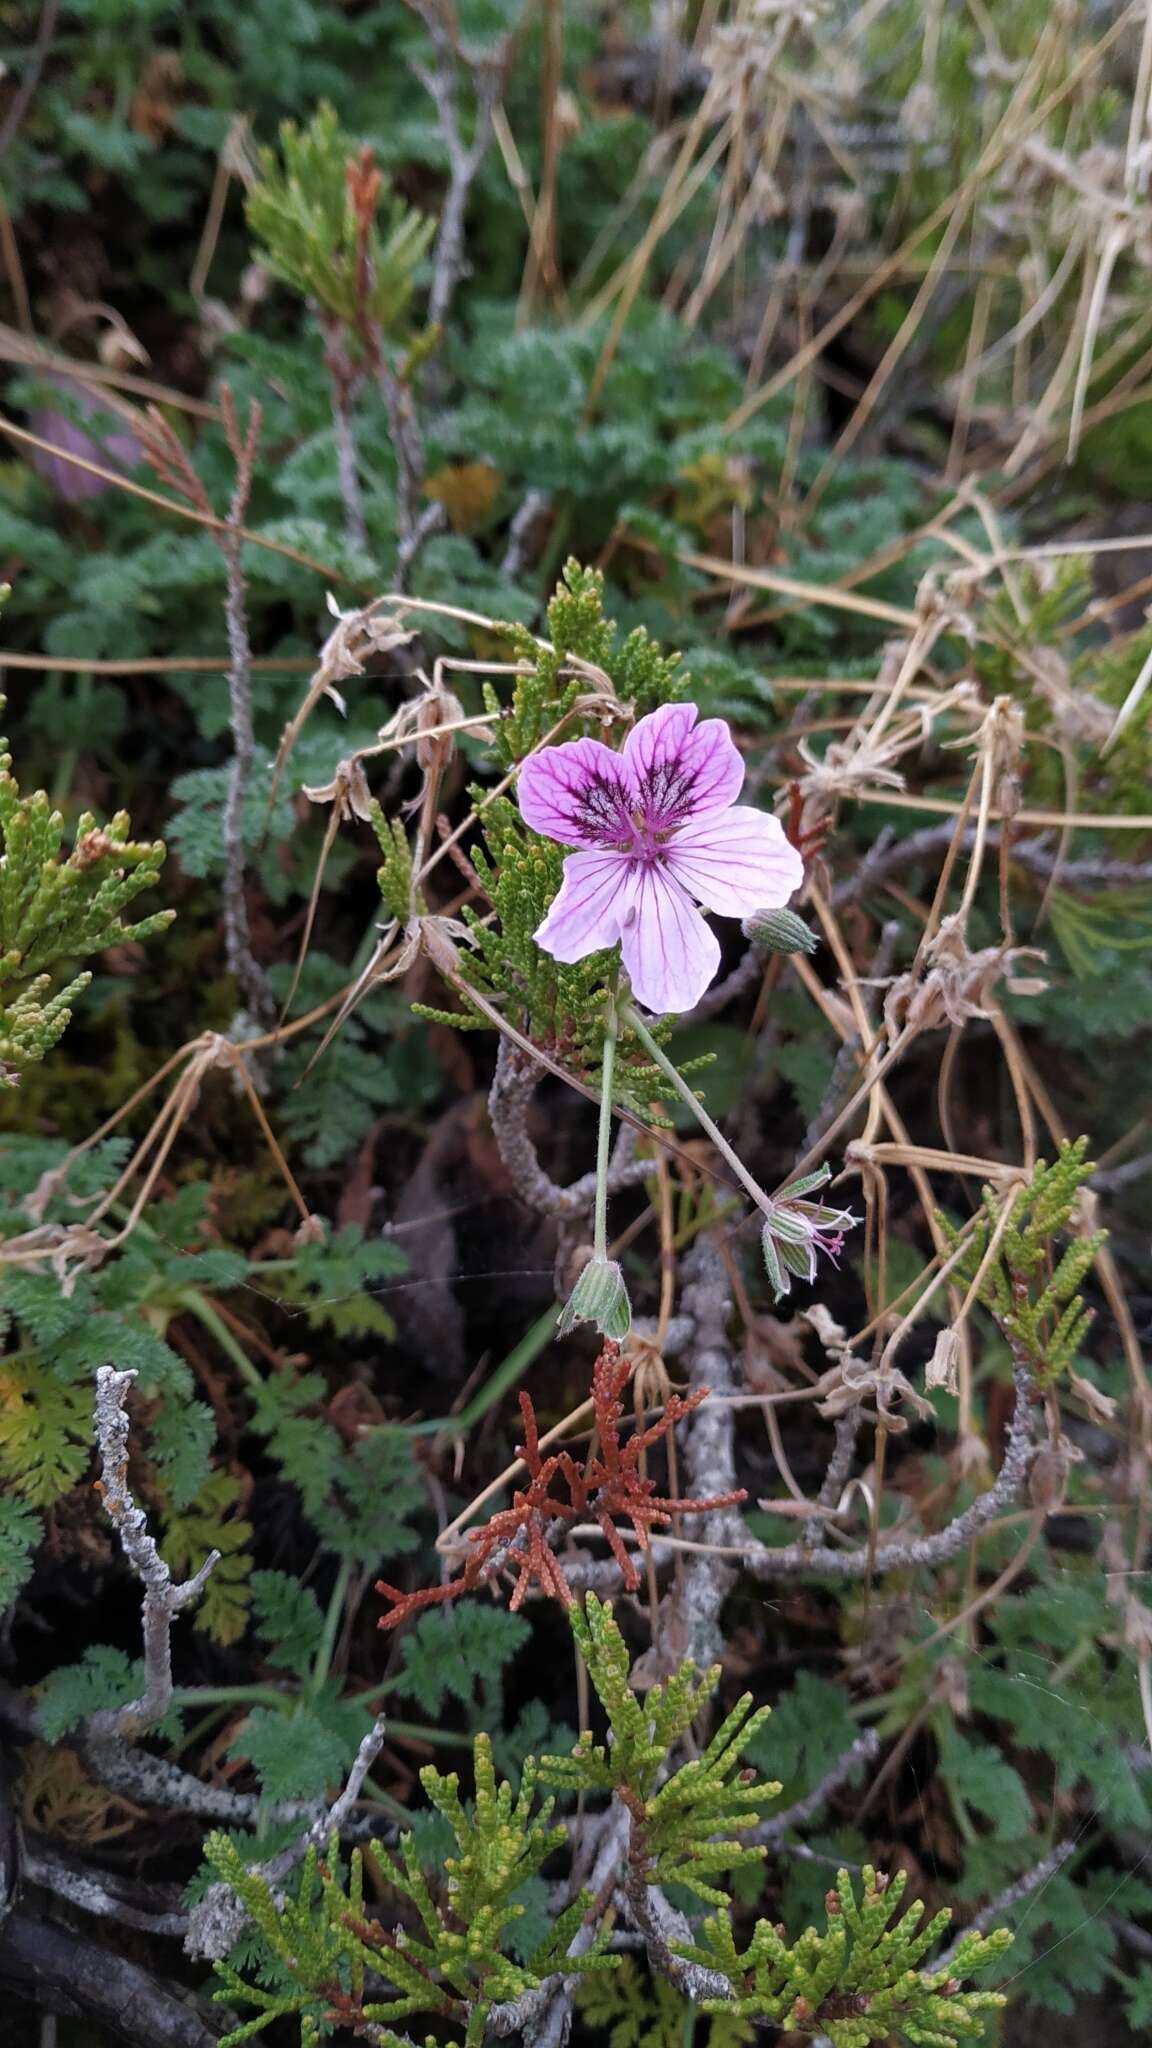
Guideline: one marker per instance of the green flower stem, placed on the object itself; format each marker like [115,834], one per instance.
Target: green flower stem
[417,1731]
[388,1801]
[660,1059]
[332,1620]
[192,1696]
[505,1376]
[198,1305]
[232,1695]
[604,1142]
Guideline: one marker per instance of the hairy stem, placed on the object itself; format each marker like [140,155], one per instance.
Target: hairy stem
[604,1139]
[660,1059]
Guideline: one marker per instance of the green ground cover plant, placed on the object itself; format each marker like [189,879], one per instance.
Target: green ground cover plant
[575,954]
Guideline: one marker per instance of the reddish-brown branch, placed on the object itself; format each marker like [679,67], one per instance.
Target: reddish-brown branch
[609,1486]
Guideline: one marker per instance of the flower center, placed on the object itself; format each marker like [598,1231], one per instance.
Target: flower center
[643,825]
[640,828]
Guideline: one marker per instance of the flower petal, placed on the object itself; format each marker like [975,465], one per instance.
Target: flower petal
[589,909]
[577,793]
[670,953]
[678,768]
[736,862]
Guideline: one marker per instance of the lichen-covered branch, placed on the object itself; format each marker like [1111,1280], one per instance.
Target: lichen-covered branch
[163,1600]
[342,385]
[237,937]
[890,857]
[835,1479]
[514,1084]
[152,1781]
[993,1913]
[526,522]
[101,1895]
[914,1552]
[544,2014]
[659,1924]
[57,1971]
[728,1531]
[440,81]
[709,1449]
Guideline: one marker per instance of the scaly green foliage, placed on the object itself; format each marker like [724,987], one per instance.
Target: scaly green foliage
[1036,1302]
[302,213]
[584,658]
[450,1958]
[394,874]
[54,911]
[689,1819]
[857,1982]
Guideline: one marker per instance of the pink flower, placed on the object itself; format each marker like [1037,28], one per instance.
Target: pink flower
[658,831]
[112,449]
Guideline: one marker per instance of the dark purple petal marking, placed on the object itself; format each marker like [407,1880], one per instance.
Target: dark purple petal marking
[603,813]
[577,793]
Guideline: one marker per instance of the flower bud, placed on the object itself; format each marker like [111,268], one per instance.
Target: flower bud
[779,931]
[599,1297]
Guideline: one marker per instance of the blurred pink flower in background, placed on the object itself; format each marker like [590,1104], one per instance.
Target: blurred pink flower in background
[112,447]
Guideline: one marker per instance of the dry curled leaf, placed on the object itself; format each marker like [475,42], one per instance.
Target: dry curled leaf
[348,790]
[1100,1406]
[942,1369]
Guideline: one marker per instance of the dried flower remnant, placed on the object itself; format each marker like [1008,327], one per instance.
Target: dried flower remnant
[658,832]
[796,1230]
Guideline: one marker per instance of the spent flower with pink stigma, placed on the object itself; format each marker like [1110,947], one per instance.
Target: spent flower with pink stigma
[795,1231]
[658,832]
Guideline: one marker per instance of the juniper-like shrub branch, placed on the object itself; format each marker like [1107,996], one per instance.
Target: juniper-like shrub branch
[683,1822]
[341,1965]
[217,1919]
[56,908]
[329,1958]
[325,224]
[302,210]
[856,1982]
[1036,1301]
